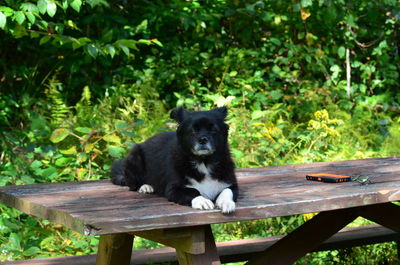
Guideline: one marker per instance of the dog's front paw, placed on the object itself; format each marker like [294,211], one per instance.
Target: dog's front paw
[146,189]
[225,201]
[202,203]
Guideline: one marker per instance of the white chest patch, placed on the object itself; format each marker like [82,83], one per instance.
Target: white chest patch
[209,188]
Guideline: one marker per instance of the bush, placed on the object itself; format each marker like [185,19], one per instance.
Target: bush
[84,80]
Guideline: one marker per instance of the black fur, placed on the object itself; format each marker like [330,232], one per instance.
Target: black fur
[166,161]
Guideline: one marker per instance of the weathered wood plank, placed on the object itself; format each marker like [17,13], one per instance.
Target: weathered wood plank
[387,215]
[98,207]
[115,249]
[187,239]
[210,255]
[237,250]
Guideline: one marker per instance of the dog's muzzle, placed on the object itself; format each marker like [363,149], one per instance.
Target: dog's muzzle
[203,148]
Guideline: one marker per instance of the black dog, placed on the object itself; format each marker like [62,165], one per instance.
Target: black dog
[191,166]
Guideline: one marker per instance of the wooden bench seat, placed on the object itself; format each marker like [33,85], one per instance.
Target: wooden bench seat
[237,250]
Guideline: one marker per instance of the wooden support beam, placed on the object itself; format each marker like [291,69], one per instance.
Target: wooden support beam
[187,239]
[210,255]
[385,214]
[115,249]
[305,238]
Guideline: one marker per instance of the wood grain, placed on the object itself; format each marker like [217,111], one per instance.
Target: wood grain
[234,251]
[99,207]
[115,249]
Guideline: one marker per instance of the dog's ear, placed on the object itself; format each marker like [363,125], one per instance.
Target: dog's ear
[222,112]
[179,114]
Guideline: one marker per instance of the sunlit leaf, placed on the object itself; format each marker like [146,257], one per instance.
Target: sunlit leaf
[51,9]
[3,20]
[76,5]
[29,7]
[83,129]
[63,161]
[89,147]
[112,138]
[19,17]
[305,13]
[341,51]
[15,240]
[31,17]
[42,6]
[58,135]
[110,50]
[71,151]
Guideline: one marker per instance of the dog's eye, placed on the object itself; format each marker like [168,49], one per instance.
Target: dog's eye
[212,128]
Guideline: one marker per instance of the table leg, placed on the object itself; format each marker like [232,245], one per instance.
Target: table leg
[209,257]
[115,249]
[305,238]
[383,214]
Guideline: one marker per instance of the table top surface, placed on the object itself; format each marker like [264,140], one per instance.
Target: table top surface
[99,207]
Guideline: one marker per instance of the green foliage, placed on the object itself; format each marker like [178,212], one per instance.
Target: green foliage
[82,81]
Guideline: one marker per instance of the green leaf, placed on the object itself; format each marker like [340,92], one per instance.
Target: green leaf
[6,11]
[19,17]
[44,39]
[110,50]
[62,161]
[341,51]
[129,134]
[83,129]
[92,50]
[276,94]
[36,164]
[69,151]
[29,7]
[3,20]
[120,125]
[31,251]
[42,6]
[128,43]
[31,17]
[257,114]
[50,172]
[15,241]
[76,5]
[51,9]
[58,135]
[89,147]
[27,180]
[112,138]
[306,3]
[116,151]
[124,49]
[64,5]
[142,26]
[233,73]
[157,42]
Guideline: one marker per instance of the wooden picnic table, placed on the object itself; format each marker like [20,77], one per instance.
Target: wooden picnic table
[117,214]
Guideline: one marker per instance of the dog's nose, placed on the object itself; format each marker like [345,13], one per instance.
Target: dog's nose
[203,140]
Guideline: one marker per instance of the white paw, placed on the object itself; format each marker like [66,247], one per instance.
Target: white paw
[146,189]
[202,203]
[225,201]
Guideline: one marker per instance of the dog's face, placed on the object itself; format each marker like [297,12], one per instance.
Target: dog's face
[202,132]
